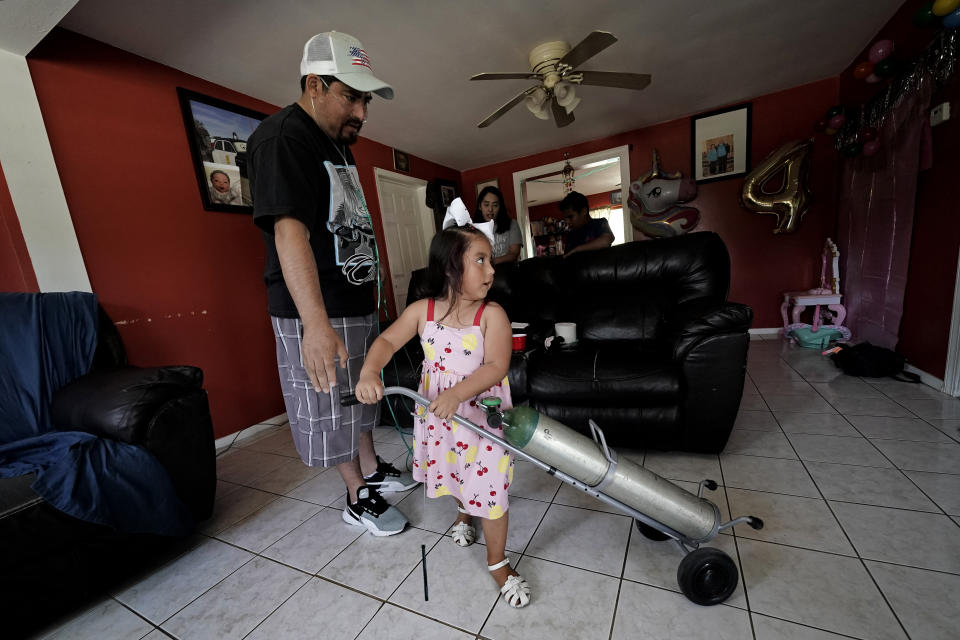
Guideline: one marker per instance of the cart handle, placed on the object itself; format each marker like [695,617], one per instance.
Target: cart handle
[601,441]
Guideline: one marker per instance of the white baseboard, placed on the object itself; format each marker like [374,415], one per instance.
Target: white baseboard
[244,434]
[766,332]
[925,377]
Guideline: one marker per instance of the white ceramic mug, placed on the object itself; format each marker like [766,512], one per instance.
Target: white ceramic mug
[567,331]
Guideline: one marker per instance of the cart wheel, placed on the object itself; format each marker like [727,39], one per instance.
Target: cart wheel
[707,576]
[650,533]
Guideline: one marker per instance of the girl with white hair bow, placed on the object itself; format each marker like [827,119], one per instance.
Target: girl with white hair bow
[466,347]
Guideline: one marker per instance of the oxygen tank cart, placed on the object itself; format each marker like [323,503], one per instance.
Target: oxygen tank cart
[660,509]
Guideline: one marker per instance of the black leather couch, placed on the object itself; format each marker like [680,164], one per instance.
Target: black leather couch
[51,561]
[661,356]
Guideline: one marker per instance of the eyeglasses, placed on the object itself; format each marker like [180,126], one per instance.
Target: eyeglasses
[351,99]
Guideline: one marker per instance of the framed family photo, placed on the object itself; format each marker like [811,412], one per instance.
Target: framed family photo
[720,143]
[217,133]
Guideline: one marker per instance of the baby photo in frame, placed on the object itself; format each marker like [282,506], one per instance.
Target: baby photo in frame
[217,133]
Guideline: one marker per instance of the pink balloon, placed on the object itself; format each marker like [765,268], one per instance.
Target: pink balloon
[870,148]
[837,121]
[873,78]
[880,50]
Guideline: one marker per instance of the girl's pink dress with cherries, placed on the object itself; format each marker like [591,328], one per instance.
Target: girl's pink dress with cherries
[447,458]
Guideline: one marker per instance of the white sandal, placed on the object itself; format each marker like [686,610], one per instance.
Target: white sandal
[515,590]
[463,533]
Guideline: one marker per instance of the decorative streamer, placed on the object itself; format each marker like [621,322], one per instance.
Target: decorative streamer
[937,62]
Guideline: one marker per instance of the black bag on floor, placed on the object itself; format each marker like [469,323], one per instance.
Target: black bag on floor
[869,361]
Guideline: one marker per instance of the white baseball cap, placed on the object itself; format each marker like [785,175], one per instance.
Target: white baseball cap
[342,56]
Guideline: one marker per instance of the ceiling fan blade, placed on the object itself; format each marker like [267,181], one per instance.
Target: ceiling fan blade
[502,110]
[635,81]
[587,48]
[506,76]
[560,115]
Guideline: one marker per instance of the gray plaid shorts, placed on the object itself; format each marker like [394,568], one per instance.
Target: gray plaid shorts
[325,433]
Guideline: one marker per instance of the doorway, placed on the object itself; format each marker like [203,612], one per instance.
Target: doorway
[408,228]
[604,177]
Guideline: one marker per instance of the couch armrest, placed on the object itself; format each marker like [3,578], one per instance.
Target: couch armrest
[713,374]
[696,323]
[180,435]
[162,409]
[120,404]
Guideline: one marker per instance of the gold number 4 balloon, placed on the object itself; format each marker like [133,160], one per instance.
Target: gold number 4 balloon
[791,202]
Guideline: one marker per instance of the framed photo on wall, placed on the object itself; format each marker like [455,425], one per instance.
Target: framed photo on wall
[494,182]
[440,193]
[447,195]
[217,133]
[720,143]
[401,161]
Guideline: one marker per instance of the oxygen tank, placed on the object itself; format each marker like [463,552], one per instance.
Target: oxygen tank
[580,457]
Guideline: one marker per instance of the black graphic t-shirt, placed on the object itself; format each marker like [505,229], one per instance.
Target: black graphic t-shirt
[295,170]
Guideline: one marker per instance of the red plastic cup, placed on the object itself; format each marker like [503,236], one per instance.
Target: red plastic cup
[519,341]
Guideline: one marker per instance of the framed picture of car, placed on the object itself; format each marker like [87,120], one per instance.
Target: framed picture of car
[217,133]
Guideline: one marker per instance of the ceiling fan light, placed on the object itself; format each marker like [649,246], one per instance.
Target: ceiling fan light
[541,112]
[571,106]
[537,97]
[537,103]
[566,94]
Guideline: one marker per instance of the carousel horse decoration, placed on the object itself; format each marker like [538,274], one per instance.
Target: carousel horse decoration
[654,199]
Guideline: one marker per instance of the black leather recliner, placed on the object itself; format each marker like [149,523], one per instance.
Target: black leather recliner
[52,561]
[661,356]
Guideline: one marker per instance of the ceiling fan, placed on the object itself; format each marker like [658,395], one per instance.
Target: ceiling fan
[554,66]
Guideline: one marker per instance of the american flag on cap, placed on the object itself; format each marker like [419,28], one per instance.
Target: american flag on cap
[342,56]
[359,57]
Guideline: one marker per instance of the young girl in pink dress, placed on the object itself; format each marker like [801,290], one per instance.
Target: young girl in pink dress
[466,344]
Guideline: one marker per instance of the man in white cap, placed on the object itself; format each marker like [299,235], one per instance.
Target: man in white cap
[321,270]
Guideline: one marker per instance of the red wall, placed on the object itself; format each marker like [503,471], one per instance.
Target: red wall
[928,300]
[16,270]
[763,265]
[184,285]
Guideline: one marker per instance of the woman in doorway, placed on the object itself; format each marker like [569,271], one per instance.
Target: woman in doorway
[506,234]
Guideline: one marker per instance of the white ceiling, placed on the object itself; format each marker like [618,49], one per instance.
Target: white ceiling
[701,53]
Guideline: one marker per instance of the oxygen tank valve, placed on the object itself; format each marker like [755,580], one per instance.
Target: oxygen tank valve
[491,406]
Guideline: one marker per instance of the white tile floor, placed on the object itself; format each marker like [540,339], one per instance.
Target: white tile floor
[858,482]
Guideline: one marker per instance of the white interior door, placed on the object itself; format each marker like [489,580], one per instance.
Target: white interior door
[405,221]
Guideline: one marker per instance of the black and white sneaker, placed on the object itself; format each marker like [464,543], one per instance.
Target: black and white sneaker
[388,479]
[373,512]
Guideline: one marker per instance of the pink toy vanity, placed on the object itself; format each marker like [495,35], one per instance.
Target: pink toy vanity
[826,295]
